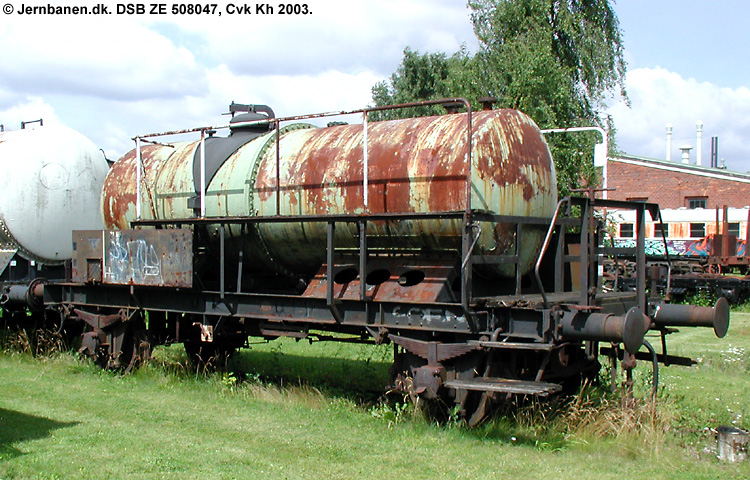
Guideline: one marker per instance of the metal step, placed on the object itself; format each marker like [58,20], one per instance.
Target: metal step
[505,385]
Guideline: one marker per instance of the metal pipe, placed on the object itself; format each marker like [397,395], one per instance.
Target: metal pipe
[669,142]
[669,315]
[203,173]
[655,364]
[138,174]
[278,167]
[640,256]
[473,244]
[667,293]
[698,143]
[600,159]
[310,116]
[17,296]
[365,162]
[543,250]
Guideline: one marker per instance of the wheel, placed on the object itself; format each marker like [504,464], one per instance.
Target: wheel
[136,349]
[444,404]
[121,347]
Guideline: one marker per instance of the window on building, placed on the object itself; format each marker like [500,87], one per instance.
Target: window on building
[637,199]
[696,202]
[626,230]
[734,229]
[660,228]
[697,230]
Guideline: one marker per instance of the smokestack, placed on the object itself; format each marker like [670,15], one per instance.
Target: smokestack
[714,152]
[669,142]
[685,149]
[698,142]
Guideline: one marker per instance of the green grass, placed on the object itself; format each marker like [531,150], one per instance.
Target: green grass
[292,410]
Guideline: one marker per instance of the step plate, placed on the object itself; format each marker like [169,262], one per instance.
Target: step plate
[505,385]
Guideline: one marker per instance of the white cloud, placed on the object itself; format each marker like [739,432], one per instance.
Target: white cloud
[117,76]
[118,59]
[26,110]
[112,77]
[348,36]
[659,97]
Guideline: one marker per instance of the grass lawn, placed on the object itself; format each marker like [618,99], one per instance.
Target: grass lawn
[292,410]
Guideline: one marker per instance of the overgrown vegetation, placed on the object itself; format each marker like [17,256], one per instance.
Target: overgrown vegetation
[293,410]
[35,342]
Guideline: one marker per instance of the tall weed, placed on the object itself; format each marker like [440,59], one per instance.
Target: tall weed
[37,342]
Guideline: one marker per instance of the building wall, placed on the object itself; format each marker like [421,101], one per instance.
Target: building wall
[672,189]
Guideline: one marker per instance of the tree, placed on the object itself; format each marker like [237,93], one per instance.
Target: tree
[555,60]
[428,76]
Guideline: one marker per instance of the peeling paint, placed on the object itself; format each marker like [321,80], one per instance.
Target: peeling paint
[415,165]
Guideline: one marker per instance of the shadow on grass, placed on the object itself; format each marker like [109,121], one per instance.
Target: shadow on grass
[359,379]
[19,427]
[354,372]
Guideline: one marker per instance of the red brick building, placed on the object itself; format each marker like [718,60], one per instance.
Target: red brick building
[675,185]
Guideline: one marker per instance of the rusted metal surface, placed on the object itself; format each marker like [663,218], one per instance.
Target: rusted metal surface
[506,385]
[119,193]
[668,315]
[629,329]
[433,352]
[414,165]
[86,265]
[389,280]
[134,257]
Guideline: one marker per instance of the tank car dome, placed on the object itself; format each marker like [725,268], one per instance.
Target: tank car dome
[50,185]
[237,120]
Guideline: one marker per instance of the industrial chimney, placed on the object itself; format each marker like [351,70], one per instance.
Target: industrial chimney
[714,152]
[698,142]
[669,142]
[685,149]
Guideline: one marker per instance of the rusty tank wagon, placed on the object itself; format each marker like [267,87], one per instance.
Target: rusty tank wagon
[441,235]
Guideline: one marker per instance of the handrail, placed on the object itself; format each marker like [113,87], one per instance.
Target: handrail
[545,245]
[478,228]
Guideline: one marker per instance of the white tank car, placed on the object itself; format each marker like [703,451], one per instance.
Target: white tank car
[50,183]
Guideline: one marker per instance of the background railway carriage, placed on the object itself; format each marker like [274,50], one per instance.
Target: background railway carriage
[698,250]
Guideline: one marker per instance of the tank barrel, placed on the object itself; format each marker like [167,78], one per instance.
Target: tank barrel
[668,315]
[628,329]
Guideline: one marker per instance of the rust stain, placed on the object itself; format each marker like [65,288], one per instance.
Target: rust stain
[415,165]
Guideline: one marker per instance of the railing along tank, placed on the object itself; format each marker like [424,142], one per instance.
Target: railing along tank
[414,165]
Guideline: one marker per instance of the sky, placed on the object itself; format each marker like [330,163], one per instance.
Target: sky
[115,76]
